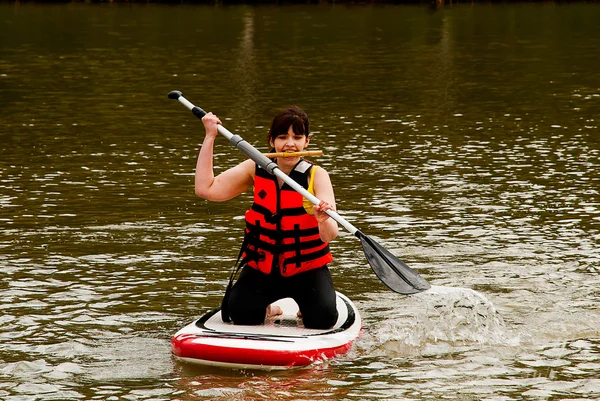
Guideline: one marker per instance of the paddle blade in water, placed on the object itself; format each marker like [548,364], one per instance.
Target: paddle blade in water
[392,271]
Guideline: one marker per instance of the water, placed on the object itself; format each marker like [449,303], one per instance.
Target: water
[464,139]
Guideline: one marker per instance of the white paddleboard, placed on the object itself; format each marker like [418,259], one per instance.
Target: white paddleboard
[282,342]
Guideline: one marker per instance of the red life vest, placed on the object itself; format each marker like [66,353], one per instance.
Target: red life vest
[278,229]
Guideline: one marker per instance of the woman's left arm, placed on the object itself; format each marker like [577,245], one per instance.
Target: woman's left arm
[328,229]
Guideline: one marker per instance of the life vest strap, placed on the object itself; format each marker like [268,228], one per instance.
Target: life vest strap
[274,217]
[307,257]
[274,234]
[296,246]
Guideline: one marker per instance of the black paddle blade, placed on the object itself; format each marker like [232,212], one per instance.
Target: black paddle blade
[392,271]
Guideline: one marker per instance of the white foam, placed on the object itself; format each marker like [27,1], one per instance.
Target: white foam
[436,321]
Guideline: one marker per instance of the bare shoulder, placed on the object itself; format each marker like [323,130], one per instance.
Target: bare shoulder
[247,170]
[321,174]
[323,186]
[232,182]
[248,166]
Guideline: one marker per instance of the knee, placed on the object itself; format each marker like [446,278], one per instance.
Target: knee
[322,319]
[243,315]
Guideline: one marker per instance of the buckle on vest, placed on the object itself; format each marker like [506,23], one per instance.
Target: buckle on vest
[274,218]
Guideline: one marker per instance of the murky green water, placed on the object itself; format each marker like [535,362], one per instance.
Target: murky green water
[464,139]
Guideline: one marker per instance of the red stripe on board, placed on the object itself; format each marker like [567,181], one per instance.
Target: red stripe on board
[184,346]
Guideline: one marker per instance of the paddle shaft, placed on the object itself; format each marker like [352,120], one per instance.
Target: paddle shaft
[263,161]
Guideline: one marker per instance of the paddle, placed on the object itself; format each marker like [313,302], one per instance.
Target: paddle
[391,271]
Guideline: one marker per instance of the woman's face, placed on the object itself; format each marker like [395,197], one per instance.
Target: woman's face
[289,142]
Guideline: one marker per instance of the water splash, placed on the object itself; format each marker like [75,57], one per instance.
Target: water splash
[439,320]
[461,314]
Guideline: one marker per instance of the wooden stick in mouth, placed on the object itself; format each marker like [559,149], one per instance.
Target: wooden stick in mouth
[294,154]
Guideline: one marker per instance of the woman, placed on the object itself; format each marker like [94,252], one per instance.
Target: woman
[285,246]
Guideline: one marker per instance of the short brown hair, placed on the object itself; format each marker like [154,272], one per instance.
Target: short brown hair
[292,116]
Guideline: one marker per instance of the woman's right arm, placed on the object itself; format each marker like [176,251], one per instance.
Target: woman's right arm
[226,185]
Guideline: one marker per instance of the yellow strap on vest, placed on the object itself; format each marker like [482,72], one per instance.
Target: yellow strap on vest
[308,205]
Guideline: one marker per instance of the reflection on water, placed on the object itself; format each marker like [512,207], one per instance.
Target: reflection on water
[463,140]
